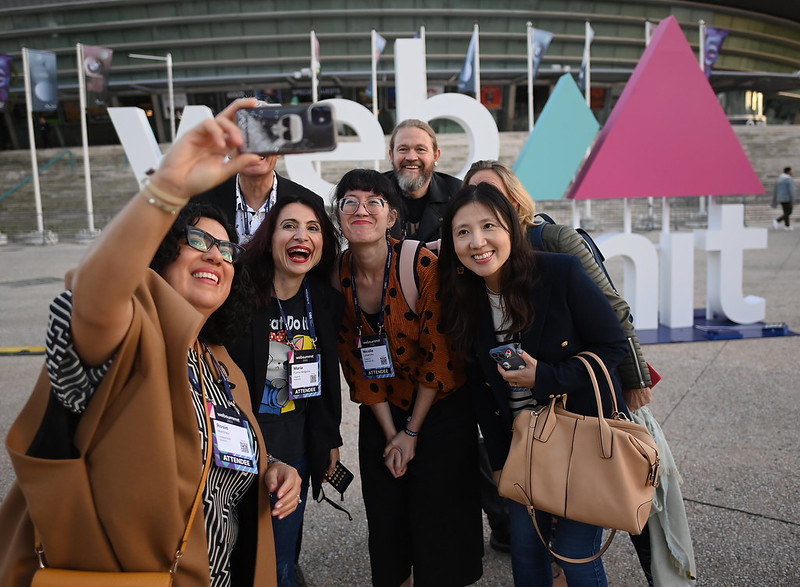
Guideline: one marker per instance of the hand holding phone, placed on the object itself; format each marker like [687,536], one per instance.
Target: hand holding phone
[276,130]
[507,356]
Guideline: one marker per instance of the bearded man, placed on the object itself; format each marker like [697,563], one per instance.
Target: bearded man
[414,153]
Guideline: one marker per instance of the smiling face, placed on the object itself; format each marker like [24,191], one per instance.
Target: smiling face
[202,278]
[297,241]
[413,158]
[481,242]
[363,227]
[262,167]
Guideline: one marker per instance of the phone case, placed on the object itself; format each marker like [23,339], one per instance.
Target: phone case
[277,130]
[507,357]
[341,478]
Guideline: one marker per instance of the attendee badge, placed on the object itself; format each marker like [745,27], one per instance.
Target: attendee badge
[233,447]
[376,359]
[304,374]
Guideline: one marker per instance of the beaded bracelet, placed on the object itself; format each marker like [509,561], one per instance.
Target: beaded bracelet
[161,199]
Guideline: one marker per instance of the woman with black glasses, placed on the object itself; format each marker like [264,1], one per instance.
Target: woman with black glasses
[140,417]
[417,443]
[288,353]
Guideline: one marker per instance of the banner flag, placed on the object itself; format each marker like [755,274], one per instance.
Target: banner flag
[466,79]
[540,41]
[315,60]
[378,44]
[43,79]
[714,39]
[96,69]
[5,80]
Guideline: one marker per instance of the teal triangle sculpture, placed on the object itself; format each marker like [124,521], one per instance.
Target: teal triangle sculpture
[558,143]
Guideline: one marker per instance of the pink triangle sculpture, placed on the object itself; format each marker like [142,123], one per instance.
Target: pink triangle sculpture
[667,135]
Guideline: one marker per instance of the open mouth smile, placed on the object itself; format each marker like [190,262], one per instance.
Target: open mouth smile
[299,254]
[203,275]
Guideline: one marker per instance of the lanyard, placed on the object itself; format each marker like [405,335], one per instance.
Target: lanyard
[223,377]
[309,312]
[241,205]
[357,308]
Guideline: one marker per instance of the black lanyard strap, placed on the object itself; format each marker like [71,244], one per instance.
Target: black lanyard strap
[381,313]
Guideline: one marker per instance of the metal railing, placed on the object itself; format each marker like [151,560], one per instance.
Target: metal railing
[42,169]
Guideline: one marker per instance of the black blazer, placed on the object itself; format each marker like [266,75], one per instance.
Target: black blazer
[572,315]
[224,195]
[324,413]
[440,190]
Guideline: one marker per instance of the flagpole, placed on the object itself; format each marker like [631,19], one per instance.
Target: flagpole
[701,211]
[422,35]
[377,163]
[476,66]
[530,74]
[314,66]
[649,219]
[85,136]
[37,192]
[587,82]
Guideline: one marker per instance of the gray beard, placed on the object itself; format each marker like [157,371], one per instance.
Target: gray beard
[410,184]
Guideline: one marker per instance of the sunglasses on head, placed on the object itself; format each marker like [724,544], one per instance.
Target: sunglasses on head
[200,240]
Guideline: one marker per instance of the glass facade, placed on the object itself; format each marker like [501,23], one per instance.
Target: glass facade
[224,48]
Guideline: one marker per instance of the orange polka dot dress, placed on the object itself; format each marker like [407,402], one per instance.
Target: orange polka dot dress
[420,350]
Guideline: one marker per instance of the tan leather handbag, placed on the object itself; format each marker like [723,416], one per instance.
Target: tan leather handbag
[50,577]
[596,470]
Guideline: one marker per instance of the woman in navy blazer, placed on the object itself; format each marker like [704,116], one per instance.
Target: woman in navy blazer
[501,291]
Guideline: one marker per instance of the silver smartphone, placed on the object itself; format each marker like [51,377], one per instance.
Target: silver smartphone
[276,130]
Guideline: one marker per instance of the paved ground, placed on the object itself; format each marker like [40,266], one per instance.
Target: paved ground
[729,409]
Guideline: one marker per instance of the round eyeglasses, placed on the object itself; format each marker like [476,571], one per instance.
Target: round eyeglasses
[351,205]
[200,240]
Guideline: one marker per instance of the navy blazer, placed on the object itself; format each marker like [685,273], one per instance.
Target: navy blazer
[324,413]
[223,196]
[571,315]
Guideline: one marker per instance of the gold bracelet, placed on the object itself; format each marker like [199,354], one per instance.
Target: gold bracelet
[165,197]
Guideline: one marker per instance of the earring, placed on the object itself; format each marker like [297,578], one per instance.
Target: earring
[435,163]
[460,270]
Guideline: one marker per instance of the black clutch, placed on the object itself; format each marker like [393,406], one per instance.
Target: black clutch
[340,480]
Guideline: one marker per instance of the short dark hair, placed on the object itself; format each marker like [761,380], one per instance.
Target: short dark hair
[787,169]
[258,252]
[229,320]
[367,180]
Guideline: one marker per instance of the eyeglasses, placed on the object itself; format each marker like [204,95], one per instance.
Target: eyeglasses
[200,240]
[350,206]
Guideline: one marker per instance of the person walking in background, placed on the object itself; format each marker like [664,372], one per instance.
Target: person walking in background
[414,153]
[785,194]
[288,352]
[417,441]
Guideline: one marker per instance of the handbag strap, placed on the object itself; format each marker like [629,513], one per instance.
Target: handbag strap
[604,428]
[198,495]
[567,559]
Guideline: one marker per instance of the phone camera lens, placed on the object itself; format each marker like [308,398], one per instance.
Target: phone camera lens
[320,115]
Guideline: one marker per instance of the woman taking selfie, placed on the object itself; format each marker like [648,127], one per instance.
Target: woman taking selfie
[140,418]
[417,443]
[288,353]
[501,291]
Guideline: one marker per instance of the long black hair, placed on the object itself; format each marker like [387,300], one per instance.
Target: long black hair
[229,320]
[258,252]
[466,291]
